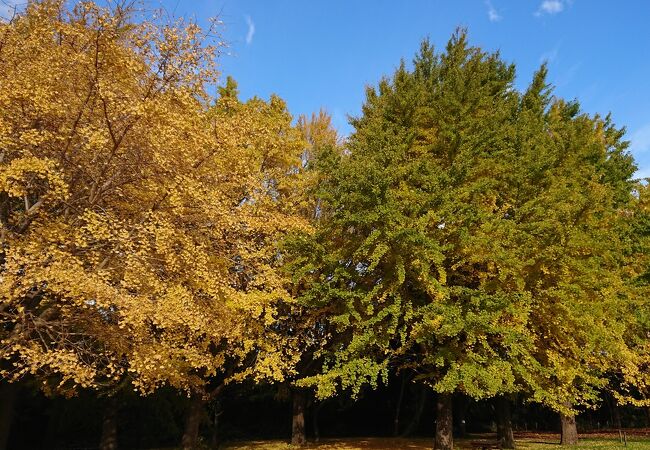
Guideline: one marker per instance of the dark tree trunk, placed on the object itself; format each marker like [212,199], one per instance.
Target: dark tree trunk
[505,435]
[444,422]
[398,408]
[108,440]
[616,414]
[298,433]
[314,419]
[193,418]
[216,413]
[417,416]
[460,410]
[569,429]
[8,394]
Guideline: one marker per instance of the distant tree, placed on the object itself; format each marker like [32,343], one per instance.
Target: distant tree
[631,385]
[579,185]
[309,331]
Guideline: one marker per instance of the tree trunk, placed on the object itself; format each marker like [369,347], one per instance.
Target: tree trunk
[569,429]
[108,440]
[460,409]
[314,419]
[8,394]
[398,408]
[216,413]
[444,422]
[193,418]
[298,433]
[505,435]
[616,414]
[415,421]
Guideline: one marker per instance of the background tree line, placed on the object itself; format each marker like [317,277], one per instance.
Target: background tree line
[160,240]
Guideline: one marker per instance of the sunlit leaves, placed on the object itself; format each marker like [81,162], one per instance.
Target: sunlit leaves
[140,216]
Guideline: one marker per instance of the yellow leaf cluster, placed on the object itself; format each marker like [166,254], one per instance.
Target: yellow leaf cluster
[139,215]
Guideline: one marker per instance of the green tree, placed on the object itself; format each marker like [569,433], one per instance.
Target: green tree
[469,234]
[579,182]
[632,383]
[300,325]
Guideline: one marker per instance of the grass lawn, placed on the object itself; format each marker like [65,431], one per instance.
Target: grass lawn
[528,441]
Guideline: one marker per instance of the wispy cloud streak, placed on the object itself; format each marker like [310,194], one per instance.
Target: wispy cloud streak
[251,30]
[493,14]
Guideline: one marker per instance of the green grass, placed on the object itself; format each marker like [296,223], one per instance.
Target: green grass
[587,443]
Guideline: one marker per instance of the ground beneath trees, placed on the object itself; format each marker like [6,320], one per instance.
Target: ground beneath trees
[638,439]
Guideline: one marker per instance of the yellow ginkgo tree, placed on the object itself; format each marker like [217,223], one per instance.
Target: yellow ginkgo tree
[139,213]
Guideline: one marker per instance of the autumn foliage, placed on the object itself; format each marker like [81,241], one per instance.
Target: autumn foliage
[154,232]
[139,215]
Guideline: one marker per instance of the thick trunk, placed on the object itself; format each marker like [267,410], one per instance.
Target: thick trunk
[398,408]
[8,394]
[298,433]
[569,429]
[109,425]
[505,435]
[193,418]
[444,423]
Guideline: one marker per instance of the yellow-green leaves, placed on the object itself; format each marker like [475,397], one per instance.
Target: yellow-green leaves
[472,233]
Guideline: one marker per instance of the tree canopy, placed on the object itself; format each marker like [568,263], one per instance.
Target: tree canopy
[157,230]
[466,231]
[139,216]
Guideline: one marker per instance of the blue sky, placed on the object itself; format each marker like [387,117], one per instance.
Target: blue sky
[322,53]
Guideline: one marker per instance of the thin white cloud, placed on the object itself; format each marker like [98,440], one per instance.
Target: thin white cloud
[251,30]
[493,14]
[550,7]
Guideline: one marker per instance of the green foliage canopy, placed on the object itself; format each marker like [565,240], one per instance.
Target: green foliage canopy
[470,233]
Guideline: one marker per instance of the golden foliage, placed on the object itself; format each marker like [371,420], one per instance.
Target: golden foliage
[139,216]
